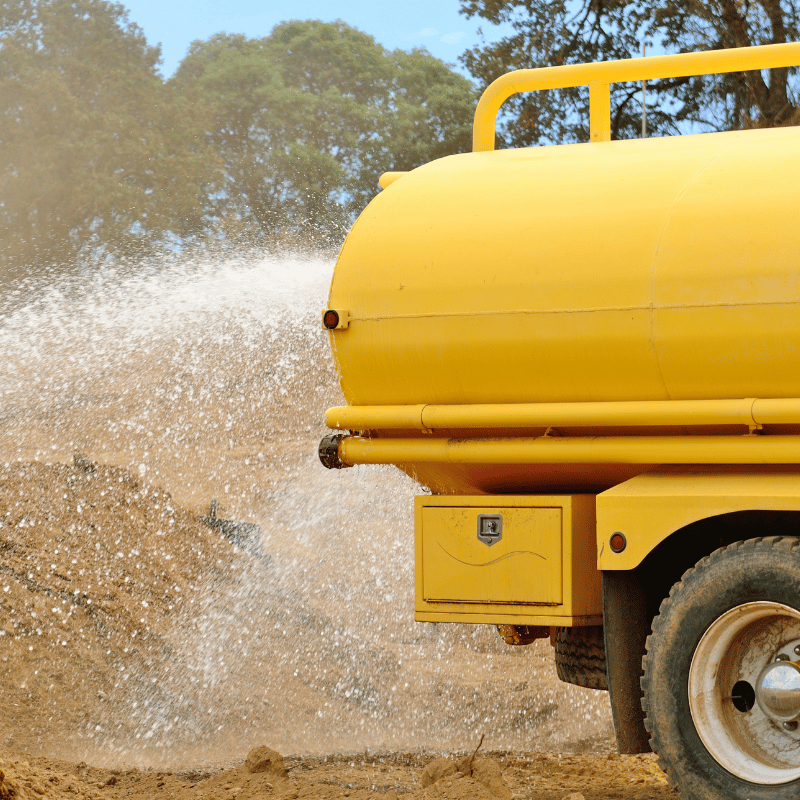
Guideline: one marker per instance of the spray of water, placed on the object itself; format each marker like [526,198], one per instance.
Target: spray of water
[209,380]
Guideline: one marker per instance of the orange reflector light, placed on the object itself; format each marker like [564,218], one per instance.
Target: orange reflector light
[330,319]
[618,542]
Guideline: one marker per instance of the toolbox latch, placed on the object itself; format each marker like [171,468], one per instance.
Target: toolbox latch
[490,528]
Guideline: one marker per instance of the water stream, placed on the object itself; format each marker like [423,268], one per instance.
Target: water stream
[210,380]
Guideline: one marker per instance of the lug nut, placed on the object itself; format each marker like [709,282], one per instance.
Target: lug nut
[790,726]
[781,657]
[797,649]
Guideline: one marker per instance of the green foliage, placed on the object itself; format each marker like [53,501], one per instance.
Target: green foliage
[97,156]
[575,31]
[273,139]
[306,119]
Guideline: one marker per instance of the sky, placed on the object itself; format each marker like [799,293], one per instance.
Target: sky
[403,24]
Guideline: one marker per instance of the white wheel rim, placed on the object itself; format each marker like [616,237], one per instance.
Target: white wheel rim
[736,647]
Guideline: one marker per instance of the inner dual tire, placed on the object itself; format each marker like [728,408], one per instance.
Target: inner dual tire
[580,656]
[733,614]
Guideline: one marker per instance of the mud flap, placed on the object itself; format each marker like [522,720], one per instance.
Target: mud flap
[626,626]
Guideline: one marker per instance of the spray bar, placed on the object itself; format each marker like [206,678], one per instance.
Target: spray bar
[344,451]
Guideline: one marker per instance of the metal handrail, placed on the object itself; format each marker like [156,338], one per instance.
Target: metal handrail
[599,76]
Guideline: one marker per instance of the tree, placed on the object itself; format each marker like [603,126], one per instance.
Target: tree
[574,31]
[280,137]
[305,120]
[97,157]
[428,115]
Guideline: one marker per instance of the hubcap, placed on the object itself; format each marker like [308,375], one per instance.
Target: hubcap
[738,656]
[778,691]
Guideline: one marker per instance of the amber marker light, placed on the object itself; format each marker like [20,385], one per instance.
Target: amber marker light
[618,542]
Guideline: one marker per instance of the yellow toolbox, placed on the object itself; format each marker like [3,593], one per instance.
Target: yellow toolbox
[526,560]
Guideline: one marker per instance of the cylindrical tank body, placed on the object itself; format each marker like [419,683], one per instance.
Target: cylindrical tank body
[637,270]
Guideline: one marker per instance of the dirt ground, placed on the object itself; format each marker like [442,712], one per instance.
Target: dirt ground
[146,653]
[498,776]
[98,582]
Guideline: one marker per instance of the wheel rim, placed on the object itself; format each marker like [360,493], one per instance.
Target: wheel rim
[734,652]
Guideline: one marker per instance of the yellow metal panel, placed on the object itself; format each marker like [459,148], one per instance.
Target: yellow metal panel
[523,567]
[506,293]
[752,304]
[489,339]
[581,602]
[490,479]
[649,507]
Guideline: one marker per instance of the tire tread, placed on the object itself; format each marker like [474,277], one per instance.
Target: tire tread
[580,656]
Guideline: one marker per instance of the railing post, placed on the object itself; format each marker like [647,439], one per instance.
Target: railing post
[599,111]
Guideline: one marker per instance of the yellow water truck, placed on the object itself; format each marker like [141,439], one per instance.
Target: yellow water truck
[590,355]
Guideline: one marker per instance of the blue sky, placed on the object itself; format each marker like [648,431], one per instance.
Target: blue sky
[434,24]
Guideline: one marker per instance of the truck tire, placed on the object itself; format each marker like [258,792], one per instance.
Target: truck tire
[581,657]
[713,721]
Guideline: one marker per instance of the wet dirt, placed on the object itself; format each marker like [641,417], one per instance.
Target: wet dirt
[138,640]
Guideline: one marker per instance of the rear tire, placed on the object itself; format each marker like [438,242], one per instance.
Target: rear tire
[729,617]
[581,657]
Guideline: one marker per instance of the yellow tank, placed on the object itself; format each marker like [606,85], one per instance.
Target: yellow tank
[647,270]
[653,269]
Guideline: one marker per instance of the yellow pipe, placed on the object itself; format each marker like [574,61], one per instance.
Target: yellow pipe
[596,75]
[776,411]
[586,450]
[369,418]
[620,414]
[599,112]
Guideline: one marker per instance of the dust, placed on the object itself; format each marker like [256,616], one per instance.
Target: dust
[135,638]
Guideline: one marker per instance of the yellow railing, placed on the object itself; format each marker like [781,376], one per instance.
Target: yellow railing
[599,77]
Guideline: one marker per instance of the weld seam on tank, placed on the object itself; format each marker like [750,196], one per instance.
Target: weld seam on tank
[571,450]
[584,310]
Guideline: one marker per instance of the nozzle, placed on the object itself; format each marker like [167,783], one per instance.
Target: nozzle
[329,452]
